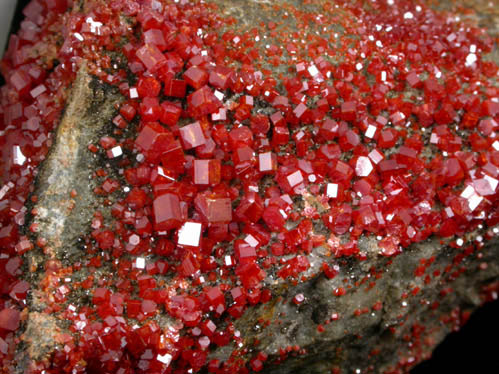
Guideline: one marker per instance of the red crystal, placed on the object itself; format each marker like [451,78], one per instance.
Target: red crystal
[250,208]
[388,138]
[150,110]
[267,162]
[207,172]
[9,319]
[170,113]
[256,365]
[341,172]
[189,265]
[175,88]
[189,234]
[156,37]
[294,266]
[274,218]
[21,81]
[244,252]
[186,308]
[196,77]
[250,274]
[202,102]
[240,137]
[151,57]
[329,129]
[220,77]
[167,212]
[19,290]
[490,108]
[148,87]
[212,209]
[453,171]
[192,136]
[349,140]
[172,158]
[348,110]
[280,136]
[215,299]
[330,271]
[363,166]
[154,140]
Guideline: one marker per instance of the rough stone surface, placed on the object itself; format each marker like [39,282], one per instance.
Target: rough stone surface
[70,166]
[348,343]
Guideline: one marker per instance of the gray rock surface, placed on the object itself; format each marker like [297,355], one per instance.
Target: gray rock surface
[349,342]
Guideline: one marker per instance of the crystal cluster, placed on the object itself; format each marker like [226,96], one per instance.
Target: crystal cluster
[393,132]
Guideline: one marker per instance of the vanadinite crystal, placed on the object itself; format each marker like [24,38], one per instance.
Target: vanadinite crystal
[230,174]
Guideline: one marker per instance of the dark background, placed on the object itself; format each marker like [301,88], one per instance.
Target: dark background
[472,350]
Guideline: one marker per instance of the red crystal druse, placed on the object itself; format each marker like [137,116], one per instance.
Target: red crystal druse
[234,167]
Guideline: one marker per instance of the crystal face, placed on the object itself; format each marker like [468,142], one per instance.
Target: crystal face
[332,190]
[240,159]
[189,234]
[150,56]
[363,167]
[9,319]
[192,135]
[207,172]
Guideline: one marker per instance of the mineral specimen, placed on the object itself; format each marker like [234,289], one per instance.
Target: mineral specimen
[245,186]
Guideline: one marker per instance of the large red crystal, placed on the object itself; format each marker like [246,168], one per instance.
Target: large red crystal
[154,140]
[250,208]
[196,77]
[202,102]
[167,212]
[213,209]
[192,135]
[150,56]
[9,319]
